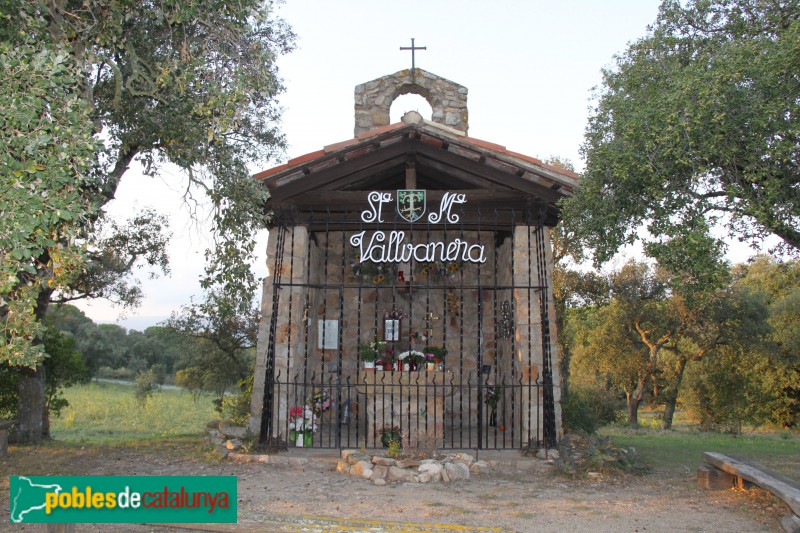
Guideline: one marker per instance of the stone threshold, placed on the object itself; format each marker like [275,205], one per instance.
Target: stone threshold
[376,466]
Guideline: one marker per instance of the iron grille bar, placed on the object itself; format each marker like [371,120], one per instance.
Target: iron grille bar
[483,396]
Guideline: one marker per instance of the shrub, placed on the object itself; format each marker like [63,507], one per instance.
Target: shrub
[144,385]
[588,410]
[236,407]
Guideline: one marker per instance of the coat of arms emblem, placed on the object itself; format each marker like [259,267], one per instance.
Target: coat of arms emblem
[411,204]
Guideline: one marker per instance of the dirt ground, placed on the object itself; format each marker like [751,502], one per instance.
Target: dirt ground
[314,497]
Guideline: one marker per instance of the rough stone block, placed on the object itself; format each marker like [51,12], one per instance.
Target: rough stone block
[361,468]
[233,444]
[399,474]
[379,472]
[712,478]
[232,431]
[348,453]
[457,471]
[354,458]
[548,454]
[221,451]
[480,467]
[464,458]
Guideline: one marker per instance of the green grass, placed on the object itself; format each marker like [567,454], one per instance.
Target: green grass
[106,413]
[682,450]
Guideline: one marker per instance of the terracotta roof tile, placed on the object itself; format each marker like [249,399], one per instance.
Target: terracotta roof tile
[527,158]
[383,129]
[560,170]
[305,158]
[485,144]
[338,146]
[271,171]
[427,137]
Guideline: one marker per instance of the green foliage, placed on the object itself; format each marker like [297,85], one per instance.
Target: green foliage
[192,379]
[681,451]
[106,413]
[67,318]
[777,284]
[580,454]
[236,407]
[222,333]
[46,153]
[64,367]
[372,351]
[88,87]
[145,385]
[111,253]
[697,123]
[587,409]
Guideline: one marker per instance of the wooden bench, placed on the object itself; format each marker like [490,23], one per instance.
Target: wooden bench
[5,425]
[726,472]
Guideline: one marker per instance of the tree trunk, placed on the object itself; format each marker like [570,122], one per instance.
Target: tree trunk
[633,407]
[633,411]
[672,397]
[30,406]
[669,412]
[31,414]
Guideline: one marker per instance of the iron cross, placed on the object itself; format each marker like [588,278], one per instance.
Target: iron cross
[413,49]
[429,317]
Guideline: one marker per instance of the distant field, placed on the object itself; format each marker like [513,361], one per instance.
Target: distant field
[107,413]
[682,449]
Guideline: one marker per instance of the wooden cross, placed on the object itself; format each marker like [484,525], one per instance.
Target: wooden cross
[413,49]
[428,327]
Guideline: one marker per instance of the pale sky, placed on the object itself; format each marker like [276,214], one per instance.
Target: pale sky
[529,66]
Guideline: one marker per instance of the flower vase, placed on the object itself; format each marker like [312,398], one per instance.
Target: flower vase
[369,365]
[293,436]
[431,367]
[308,439]
[300,441]
[493,417]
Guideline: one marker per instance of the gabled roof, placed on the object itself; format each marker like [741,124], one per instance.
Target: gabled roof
[443,159]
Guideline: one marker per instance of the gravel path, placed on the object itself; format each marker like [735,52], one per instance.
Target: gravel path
[314,497]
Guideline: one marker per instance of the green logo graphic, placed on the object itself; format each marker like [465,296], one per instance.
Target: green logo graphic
[411,204]
[122,499]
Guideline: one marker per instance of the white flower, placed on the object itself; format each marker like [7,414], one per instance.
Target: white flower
[410,353]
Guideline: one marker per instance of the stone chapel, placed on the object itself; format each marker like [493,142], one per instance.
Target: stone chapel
[409,292]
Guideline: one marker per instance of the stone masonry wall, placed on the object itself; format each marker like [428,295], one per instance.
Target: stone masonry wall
[373,99]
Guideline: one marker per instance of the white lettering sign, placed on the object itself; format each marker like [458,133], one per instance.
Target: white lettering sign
[381,247]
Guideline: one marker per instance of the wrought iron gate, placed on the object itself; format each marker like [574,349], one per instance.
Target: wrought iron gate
[465,345]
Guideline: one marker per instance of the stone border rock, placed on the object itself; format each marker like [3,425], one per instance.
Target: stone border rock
[225,437]
[382,470]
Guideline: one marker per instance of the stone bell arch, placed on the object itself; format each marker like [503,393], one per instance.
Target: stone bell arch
[373,99]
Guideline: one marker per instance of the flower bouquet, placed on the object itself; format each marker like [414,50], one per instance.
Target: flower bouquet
[412,358]
[390,434]
[302,425]
[371,352]
[320,401]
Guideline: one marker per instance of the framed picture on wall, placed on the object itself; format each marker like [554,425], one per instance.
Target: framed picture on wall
[328,334]
[391,330]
